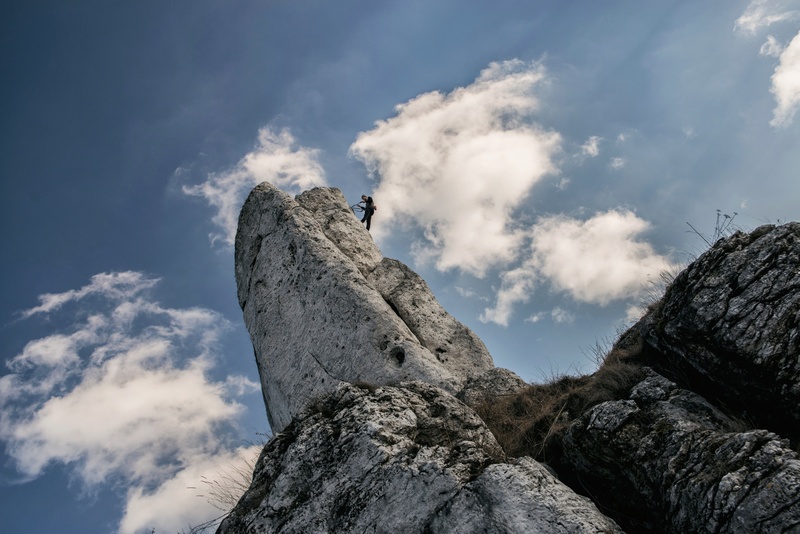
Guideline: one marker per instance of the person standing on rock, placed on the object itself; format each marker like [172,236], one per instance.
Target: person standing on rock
[369,209]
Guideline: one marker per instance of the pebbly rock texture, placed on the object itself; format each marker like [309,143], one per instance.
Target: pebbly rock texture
[665,460]
[402,459]
[323,307]
[729,326]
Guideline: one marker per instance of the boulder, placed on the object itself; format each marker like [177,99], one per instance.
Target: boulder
[665,460]
[410,458]
[729,326]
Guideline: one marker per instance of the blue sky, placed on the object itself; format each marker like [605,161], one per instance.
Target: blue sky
[537,163]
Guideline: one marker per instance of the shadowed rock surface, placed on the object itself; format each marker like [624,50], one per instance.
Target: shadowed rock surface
[729,326]
[690,425]
[665,460]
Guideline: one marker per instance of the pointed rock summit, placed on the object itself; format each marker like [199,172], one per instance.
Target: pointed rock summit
[324,307]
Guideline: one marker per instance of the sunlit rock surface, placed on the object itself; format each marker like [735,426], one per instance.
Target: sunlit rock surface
[402,459]
[323,307]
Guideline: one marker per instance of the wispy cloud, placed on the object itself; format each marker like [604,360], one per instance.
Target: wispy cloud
[469,293]
[459,164]
[123,392]
[558,315]
[617,163]
[516,287]
[591,147]
[771,47]
[761,14]
[277,159]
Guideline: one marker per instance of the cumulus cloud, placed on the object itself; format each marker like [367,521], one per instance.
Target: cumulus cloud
[459,164]
[597,261]
[122,393]
[277,159]
[764,13]
[786,84]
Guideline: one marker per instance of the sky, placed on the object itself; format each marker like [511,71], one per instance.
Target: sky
[540,164]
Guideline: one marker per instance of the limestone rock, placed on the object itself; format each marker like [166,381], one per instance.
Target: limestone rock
[316,320]
[453,344]
[666,460]
[401,459]
[494,382]
[731,323]
[364,375]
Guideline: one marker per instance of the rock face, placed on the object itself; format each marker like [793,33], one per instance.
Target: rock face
[731,323]
[726,329]
[324,307]
[371,386]
[668,461]
[402,459]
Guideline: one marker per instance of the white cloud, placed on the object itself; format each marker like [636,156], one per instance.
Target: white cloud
[116,286]
[557,314]
[276,159]
[536,317]
[591,147]
[561,316]
[597,261]
[459,164]
[786,84]
[764,13]
[469,293]
[190,496]
[516,287]
[617,163]
[562,183]
[122,393]
[771,47]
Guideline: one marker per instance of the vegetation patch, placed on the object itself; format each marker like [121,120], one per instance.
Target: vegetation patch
[532,422]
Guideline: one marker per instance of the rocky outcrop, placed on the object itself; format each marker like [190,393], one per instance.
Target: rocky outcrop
[665,460]
[729,326]
[323,307]
[690,424]
[402,459]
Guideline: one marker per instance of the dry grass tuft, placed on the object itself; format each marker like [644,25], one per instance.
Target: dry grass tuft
[532,422]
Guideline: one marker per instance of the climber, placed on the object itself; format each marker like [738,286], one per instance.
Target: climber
[369,209]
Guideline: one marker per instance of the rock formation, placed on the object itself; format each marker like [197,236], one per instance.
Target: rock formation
[324,307]
[730,323]
[402,459]
[372,389]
